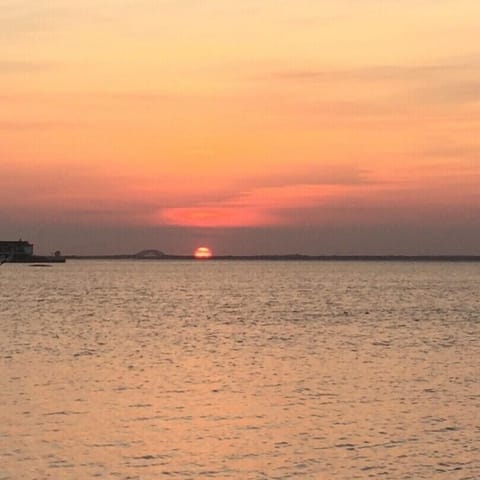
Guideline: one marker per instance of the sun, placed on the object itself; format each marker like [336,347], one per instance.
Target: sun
[202,253]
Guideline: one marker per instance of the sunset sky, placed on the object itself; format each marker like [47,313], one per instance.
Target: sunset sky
[250,126]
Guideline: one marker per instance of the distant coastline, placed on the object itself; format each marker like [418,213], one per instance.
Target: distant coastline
[293,257]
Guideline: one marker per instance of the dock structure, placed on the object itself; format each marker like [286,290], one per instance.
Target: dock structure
[20,251]
[15,250]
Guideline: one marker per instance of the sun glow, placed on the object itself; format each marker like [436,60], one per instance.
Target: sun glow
[203,253]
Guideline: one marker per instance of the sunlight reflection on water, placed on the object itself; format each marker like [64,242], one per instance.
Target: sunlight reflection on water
[240,370]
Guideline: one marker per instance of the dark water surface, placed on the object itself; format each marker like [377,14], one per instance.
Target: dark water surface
[262,370]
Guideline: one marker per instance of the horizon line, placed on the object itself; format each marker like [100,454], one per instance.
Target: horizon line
[295,256]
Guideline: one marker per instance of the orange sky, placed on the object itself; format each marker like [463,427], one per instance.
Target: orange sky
[206,118]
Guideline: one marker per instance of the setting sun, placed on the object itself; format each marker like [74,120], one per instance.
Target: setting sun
[202,253]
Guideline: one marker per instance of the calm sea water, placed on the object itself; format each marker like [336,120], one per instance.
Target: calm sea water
[262,370]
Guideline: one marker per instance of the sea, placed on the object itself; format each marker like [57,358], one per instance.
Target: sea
[240,370]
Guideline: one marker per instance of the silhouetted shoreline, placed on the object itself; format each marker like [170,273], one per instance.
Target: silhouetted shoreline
[294,257]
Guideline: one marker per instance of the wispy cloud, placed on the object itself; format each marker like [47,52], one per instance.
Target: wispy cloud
[36,125]
[376,73]
[400,87]
[25,17]
[447,150]
[312,174]
[263,200]
[450,92]
[13,67]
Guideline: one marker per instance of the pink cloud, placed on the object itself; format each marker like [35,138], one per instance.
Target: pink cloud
[252,208]
[219,216]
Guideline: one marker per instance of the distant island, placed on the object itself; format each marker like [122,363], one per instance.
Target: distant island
[154,255]
[21,251]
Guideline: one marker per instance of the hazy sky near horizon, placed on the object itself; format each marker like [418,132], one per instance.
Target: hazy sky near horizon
[266,126]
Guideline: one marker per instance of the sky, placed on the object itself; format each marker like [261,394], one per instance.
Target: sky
[251,127]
